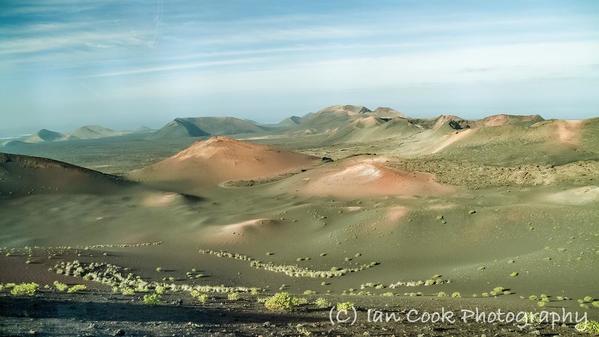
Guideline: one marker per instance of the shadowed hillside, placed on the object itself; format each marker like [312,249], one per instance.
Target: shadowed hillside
[25,175]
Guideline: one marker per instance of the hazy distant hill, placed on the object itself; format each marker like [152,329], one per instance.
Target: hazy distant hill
[289,122]
[84,132]
[331,118]
[94,132]
[45,135]
[206,126]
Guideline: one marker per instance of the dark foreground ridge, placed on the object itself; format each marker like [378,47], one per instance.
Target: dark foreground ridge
[96,314]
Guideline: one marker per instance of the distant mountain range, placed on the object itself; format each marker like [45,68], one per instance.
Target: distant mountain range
[84,132]
[207,126]
[348,124]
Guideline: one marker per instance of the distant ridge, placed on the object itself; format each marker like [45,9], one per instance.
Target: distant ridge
[94,132]
[207,126]
[84,132]
[45,135]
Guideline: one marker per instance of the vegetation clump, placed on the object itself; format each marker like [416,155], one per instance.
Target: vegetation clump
[152,299]
[24,289]
[127,291]
[434,280]
[160,290]
[60,286]
[281,301]
[289,270]
[199,296]
[322,303]
[344,306]
[590,327]
[76,288]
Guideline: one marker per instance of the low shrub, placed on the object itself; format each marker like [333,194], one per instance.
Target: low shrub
[281,301]
[300,301]
[128,291]
[344,306]
[199,296]
[24,289]
[160,290]
[76,288]
[322,303]
[152,299]
[590,327]
[60,286]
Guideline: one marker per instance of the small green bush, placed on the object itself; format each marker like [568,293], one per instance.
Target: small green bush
[590,327]
[24,289]
[152,299]
[456,295]
[322,303]
[76,288]
[60,286]
[344,306]
[300,301]
[199,296]
[280,302]
[128,291]
[233,296]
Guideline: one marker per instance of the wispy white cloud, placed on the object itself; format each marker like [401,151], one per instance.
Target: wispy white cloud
[516,62]
[175,67]
[75,39]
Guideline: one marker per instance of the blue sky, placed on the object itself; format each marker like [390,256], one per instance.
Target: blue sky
[123,64]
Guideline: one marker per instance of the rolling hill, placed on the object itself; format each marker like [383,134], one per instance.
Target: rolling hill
[25,175]
[207,126]
[208,163]
[94,132]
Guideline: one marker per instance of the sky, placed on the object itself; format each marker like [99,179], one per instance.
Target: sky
[124,64]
